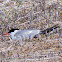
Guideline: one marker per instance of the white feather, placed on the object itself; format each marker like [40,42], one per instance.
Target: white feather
[26,34]
[23,34]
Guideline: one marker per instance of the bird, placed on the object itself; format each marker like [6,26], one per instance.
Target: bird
[20,35]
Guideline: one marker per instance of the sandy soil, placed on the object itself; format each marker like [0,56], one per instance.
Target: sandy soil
[31,14]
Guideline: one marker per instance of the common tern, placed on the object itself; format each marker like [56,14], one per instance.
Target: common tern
[16,34]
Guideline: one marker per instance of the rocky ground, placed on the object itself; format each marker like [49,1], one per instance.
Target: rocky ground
[31,14]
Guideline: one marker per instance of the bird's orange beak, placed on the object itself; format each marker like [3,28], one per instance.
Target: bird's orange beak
[5,33]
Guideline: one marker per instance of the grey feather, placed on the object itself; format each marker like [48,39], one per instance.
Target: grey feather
[29,34]
[24,34]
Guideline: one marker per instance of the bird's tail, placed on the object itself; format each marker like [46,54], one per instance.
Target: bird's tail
[49,29]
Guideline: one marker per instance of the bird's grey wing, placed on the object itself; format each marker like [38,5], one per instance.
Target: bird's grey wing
[33,33]
[26,34]
[49,29]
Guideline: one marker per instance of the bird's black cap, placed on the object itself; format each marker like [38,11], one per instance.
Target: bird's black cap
[12,30]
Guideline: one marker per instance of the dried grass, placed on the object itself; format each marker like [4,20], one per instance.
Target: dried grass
[30,14]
